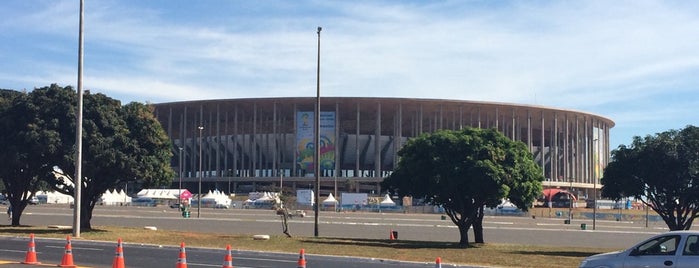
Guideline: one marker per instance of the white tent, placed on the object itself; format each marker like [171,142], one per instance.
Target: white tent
[387,202]
[113,197]
[54,197]
[261,199]
[330,200]
[147,193]
[167,195]
[213,198]
[159,193]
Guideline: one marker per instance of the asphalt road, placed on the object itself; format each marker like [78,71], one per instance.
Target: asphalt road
[541,230]
[99,254]
[423,227]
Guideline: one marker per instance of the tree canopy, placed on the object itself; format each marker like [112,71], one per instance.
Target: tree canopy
[662,171]
[120,144]
[465,171]
[17,172]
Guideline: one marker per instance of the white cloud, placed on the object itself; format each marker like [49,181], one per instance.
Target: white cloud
[619,59]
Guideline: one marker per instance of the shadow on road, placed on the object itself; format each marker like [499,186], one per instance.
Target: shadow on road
[27,229]
[557,253]
[394,244]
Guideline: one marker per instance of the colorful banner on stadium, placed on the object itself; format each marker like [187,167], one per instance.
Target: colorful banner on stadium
[305,142]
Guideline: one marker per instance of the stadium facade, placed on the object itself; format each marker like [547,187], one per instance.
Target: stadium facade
[240,145]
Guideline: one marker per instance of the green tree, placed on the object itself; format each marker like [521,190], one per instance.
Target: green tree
[662,171]
[153,151]
[465,171]
[120,144]
[26,144]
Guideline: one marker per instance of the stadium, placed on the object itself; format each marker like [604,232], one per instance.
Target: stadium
[258,144]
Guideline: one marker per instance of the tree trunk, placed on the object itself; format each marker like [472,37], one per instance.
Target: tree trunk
[86,216]
[478,227]
[285,221]
[672,224]
[15,214]
[463,234]
[688,223]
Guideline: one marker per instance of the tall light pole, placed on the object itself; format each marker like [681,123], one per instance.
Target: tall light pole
[549,197]
[570,198]
[79,130]
[316,164]
[179,194]
[594,187]
[200,173]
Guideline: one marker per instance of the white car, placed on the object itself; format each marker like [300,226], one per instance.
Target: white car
[298,213]
[222,206]
[678,249]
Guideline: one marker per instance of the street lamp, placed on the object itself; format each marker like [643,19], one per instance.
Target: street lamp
[77,196]
[179,195]
[594,187]
[316,164]
[200,174]
[549,197]
[570,199]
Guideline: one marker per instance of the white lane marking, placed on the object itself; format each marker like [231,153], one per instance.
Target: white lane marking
[500,222]
[11,250]
[240,258]
[263,259]
[80,248]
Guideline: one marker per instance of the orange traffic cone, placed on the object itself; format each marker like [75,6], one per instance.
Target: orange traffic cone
[182,258]
[302,259]
[228,259]
[31,252]
[67,260]
[438,263]
[391,237]
[119,257]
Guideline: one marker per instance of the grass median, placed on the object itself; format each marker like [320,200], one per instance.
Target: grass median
[489,254]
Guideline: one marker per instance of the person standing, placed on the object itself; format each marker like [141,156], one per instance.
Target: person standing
[9,212]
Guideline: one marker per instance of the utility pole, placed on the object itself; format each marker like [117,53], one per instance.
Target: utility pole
[77,185]
[316,163]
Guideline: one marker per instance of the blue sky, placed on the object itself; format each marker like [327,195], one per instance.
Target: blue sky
[635,62]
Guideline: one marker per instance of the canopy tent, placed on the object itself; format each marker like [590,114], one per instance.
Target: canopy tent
[261,199]
[549,194]
[387,202]
[114,197]
[215,198]
[166,195]
[330,200]
[148,193]
[170,194]
[185,194]
[54,197]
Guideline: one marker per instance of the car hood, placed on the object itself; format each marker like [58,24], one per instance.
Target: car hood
[613,254]
[604,258]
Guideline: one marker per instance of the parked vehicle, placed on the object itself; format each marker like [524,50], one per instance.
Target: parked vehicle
[298,213]
[678,249]
[144,202]
[222,206]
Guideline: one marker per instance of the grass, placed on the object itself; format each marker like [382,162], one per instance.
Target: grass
[493,255]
